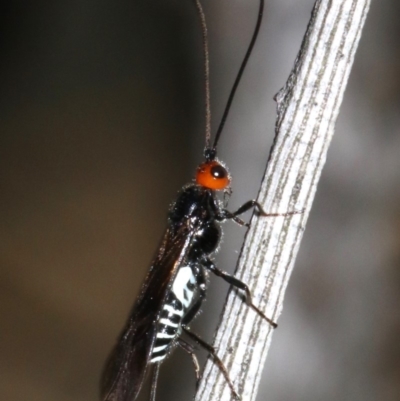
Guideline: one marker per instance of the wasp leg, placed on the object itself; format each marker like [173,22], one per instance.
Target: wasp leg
[190,315]
[238,284]
[154,379]
[190,350]
[217,361]
[226,214]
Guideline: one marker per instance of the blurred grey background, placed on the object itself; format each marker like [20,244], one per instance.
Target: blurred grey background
[101,123]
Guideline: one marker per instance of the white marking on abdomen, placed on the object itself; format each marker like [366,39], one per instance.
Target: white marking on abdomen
[168,322]
[180,285]
[157,358]
[177,304]
[172,310]
[160,348]
[163,334]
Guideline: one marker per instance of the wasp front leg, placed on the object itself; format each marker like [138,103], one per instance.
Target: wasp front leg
[251,204]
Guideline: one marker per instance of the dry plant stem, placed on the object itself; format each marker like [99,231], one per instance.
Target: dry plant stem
[307,109]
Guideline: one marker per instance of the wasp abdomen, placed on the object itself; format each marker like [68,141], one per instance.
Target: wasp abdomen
[179,301]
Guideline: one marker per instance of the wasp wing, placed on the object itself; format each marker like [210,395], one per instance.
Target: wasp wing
[126,367]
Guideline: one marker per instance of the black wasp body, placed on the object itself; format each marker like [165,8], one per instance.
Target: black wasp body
[176,284]
[198,209]
[175,287]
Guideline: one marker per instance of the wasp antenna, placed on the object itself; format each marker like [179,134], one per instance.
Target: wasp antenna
[239,75]
[210,154]
[206,56]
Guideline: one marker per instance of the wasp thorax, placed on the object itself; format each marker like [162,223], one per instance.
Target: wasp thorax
[212,175]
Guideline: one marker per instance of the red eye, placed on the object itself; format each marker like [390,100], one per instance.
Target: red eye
[212,175]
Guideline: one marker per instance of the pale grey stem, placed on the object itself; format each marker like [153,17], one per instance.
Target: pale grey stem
[307,108]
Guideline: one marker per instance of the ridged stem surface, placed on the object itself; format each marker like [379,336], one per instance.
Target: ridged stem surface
[307,108]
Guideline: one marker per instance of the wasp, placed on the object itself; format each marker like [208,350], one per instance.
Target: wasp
[176,284]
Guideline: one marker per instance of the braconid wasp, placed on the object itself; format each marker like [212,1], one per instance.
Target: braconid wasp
[176,284]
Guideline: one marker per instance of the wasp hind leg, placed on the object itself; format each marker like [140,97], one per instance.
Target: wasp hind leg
[154,380]
[201,280]
[190,350]
[190,315]
[210,349]
[240,285]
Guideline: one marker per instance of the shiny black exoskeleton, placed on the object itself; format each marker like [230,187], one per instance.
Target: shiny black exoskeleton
[175,287]
[199,203]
